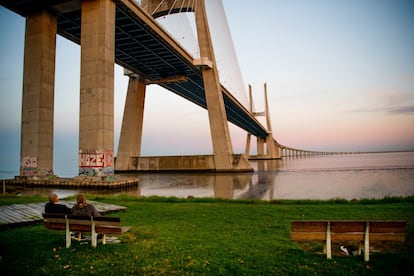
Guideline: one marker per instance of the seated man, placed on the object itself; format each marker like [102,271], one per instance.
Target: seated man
[55,207]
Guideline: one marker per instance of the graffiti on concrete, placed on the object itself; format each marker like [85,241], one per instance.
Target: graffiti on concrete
[29,166]
[96,163]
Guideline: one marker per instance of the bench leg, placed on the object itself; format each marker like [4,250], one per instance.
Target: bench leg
[366,243]
[103,238]
[68,238]
[94,236]
[328,242]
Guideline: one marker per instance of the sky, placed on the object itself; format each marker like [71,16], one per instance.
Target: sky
[339,74]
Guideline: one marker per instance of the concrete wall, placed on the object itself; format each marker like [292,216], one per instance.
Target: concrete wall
[184,163]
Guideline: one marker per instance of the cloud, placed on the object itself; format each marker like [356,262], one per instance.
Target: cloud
[401,110]
[395,110]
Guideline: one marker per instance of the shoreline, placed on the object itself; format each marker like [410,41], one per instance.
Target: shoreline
[76,182]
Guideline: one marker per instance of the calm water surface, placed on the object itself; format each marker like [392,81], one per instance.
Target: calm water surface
[355,176]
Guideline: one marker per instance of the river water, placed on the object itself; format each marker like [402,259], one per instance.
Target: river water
[355,176]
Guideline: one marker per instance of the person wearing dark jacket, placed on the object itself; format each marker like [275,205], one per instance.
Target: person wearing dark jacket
[84,208]
[55,207]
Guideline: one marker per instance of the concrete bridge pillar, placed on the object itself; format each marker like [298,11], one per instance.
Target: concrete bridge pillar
[248,141]
[260,147]
[220,134]
[132,123]
[96,124]
[36,154]
[272,150]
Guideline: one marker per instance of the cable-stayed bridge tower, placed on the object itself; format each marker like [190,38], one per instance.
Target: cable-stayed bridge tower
[131,133]
[272,148]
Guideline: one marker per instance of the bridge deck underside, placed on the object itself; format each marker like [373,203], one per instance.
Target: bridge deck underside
[143,50]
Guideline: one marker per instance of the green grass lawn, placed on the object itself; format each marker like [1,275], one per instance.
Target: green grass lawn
[170,236]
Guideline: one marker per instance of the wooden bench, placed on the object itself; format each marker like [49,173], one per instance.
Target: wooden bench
[362,232]
[93,225]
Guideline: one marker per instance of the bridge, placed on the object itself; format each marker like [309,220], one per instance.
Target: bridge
[126,33]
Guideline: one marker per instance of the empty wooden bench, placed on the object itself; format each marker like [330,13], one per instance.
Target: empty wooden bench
[362,232]
[93,225]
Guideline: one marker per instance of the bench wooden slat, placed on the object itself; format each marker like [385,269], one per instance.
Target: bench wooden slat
[88,222]
[319,236]
[88,228]
[349,226]
[111,230]
[82,222]
[303,236]
[62,216]
[388,226]
[398,237]
[309,226]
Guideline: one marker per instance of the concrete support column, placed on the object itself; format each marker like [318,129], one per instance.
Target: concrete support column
[260,147]
[132,123]
[248,141]
[272,150]
[96,124]
[38,95]
[223,151]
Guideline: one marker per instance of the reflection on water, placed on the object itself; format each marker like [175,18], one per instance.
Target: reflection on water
[320,177]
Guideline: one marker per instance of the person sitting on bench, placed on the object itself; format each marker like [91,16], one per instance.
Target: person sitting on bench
[84,208]
[55,207]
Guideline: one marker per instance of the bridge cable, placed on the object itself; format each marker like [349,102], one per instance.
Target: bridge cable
[159,5]
[182,5]
[194,5]
[172,6]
